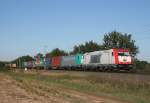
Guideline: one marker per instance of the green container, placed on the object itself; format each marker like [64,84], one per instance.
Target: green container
[79,59]
[39,62]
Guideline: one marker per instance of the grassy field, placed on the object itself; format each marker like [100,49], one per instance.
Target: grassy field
[128,88]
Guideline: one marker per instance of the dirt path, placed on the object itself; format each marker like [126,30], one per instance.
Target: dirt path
[10,92]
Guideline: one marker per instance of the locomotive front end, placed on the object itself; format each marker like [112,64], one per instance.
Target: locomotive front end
[123,59]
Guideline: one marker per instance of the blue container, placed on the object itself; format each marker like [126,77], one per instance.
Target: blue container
[48,62]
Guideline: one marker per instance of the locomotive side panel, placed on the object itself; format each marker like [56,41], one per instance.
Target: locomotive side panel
[107,57]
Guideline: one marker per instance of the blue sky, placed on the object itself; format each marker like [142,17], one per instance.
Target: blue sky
[27,26]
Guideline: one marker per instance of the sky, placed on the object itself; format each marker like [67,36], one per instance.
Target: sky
[28,27]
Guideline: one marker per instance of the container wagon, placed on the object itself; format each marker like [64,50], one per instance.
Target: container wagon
[39,63]
[56,62]
[14,65]
[30,64]
[48,62]
[25,64]
[72,61]
[8,65]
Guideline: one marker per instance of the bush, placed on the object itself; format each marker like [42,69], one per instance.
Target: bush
[2,64]
[142,66]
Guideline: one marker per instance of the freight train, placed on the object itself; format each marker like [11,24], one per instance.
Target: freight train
[103,60]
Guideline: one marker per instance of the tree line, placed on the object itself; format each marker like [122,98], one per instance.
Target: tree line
[112,39]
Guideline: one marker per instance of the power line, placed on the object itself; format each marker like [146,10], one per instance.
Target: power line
[142,31]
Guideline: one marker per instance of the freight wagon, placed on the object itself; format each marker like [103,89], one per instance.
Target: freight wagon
[72,61]
[30,64]
[25,64]
[8,65]
[11,65]
[48,62]
[56,62]
[39,62]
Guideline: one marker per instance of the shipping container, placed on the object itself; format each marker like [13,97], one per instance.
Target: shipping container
[30,64]
[14,65]
[8,65]
[79,59]
[25,64]
[68,61]
[72,60]
[56,62]
[48,62]
[39,62]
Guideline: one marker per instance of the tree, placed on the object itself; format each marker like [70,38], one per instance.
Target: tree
[56,52]
[2,64]
[116,39]
[39,55]
[26,58]
[23,59]
[20,60]
[142,66]
[87,47]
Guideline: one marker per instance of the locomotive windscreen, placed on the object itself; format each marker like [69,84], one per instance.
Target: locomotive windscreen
[123,54]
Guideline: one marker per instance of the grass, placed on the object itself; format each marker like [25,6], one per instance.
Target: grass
[134,92]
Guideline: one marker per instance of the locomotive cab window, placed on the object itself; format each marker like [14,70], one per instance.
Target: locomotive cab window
[123,54]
